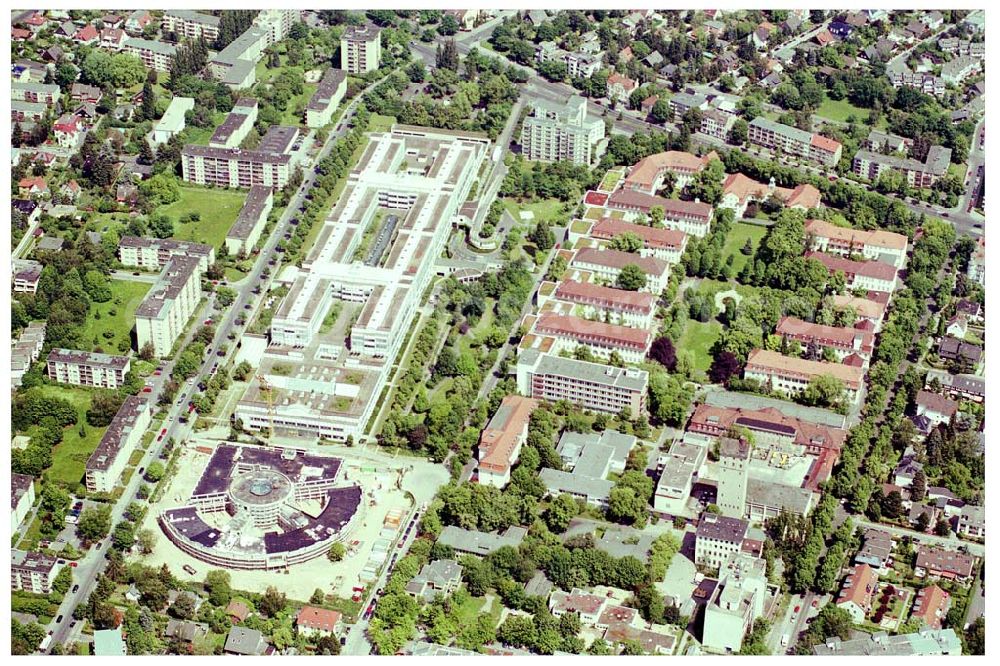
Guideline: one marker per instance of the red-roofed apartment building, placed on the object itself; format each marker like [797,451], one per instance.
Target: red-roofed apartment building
[792,375]
[648,173]
[868,275]
[602,339]
[691,217]
[67,130]
[616,306]
[843,341]
[876,245]
[738,191]
[313,621]
[665,244]
[931,606]
[858,592]
[607,264]
[501,440]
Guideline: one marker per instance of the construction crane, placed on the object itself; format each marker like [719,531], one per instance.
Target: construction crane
[266,388]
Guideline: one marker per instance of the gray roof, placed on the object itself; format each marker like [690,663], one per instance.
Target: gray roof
[149,45]
[748,401]
[538,586]
[245,641]
[929,642]
[793,499]
[721,528]
[596,373]
[480,543]
[557,482]
[253,208]
[793,133]
[625,542]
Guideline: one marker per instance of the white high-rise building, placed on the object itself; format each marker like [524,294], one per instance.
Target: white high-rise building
[561,132]
[361,49]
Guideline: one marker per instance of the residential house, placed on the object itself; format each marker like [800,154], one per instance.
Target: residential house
[972,522]
[437,577]
[936,562]
[620,88]
[858,592]
[243,641]
[314,621]
[937,408]
[930,607]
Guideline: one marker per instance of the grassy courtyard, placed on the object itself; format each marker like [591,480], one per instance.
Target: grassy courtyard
[542,209]
[69,457]
[218,209]
[116,316]
[737,238]
[380,123]
[698,338]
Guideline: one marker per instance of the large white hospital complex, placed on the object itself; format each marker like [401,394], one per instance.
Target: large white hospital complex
[336,333]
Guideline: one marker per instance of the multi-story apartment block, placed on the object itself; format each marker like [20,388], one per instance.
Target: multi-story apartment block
[682,102]
[869,164]
[578,65]
[867,275]
[327,98]
[561,132]
[593,386]
[21,111]
[501,440]
[736,603]
[26,350]
[569,332]
[109,459]
[237,125]
[161,317]
[245,232]
[38,93]
[22,498]
[361,49]
[615,306]
[957,70]
[607,264]
[32,572]
[876,245]
[82,368]
[793,141]
[25,276]
[962,47]
[851,345]
[883,142]
[792,375]
[718,538]
[153,254]
[648,174]
[692,217]
[191,24]
[717,124]
[154,55]
[232,167]
[664,244]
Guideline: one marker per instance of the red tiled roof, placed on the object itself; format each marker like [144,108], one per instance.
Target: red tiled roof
[874,269]
[713,420]
[647,170]
[607,297]
[618,259]
[771,362]
[939,560]
[859,587]
[320,619]
[826,336]
[607,228]
[825,143]
[629,199]
[586,330]
[930,606]
[499,438]
[858,237]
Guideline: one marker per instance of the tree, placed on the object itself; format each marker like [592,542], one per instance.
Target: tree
[542,236]
[272,602]
[923,522]
[146,540]
[739,133]
[217,582]
[627,242]
[561,510]
[662,351]
[631,278]
[919,487]
[148,107]
[725,364]
[94,523]
[942,528]
[155,471]
[336,552]
[824,390]
[183,607]
[892,505]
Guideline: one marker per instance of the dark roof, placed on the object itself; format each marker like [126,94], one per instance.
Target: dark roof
[722,528]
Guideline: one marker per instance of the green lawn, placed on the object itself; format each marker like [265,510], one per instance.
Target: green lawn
[127,296]
[958,170]
[544,209]
[380,123]
[737,238]
[840,110]
[200,136]
[698,338]
[69,457]
[294,112]
[218,209]
[466,613]
[610,180]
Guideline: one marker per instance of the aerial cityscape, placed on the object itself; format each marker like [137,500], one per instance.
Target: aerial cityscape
[456,332]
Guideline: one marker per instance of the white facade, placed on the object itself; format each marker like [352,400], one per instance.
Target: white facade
[164,313]
[561,132]
[172,122]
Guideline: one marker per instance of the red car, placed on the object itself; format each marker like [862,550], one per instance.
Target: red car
[73,564]
[147,389]
[797,609]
